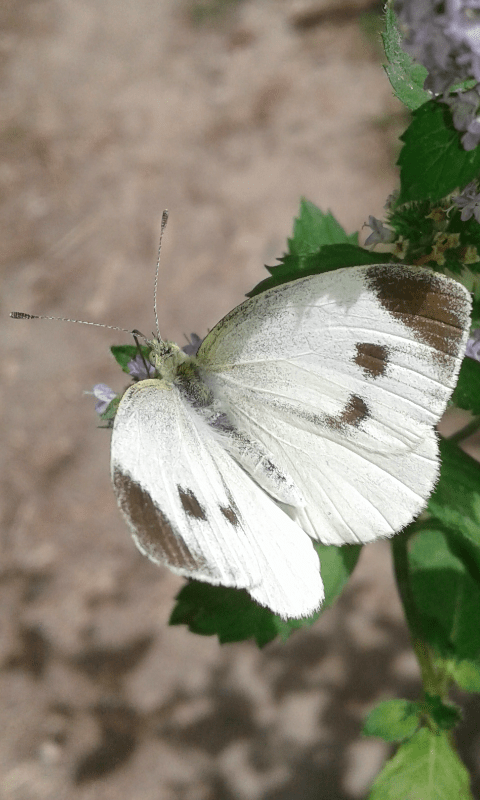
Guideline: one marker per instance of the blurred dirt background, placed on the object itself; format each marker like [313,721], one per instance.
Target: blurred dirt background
[225,113]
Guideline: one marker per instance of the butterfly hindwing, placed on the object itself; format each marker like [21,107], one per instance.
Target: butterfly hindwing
[191,506]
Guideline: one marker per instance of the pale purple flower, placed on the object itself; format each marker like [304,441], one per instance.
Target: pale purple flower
[473,345]
[444,37]
[191,348]
[140,368]
[469,202]
[391,200]
[104,396]
[472,137]
[465,108]
[380,234]
[463,27]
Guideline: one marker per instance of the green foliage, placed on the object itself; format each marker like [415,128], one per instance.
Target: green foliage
[432,161]
[328,258]
[456,499]
[397,720]
[124,353]
[467,390]
[313,229]
[407,77]
[447,599]
[425,767]
[466,674]
[111,410]
[336,565]
[434,235]
[233,616]
[393,720]
[475,311]
[229,613]
[442,716]
[318,244]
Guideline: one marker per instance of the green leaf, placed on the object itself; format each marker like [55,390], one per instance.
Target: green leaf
[336,566]
[467,391]
[327,259]
[393,720]
[229,613]
[406,77]
[123,353]
[446,597]
[476,309]
[111,409]
[233,616]
[319,244]
[423,768]
[444,715]
[456,499]
[463,86]
[467,552]
[313,229]
[465,673]
[432,161]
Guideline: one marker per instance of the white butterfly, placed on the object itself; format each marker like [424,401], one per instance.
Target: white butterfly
[307,413]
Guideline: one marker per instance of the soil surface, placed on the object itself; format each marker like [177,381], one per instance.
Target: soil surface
[226,113]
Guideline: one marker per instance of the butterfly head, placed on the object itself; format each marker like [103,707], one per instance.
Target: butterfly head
[166,357]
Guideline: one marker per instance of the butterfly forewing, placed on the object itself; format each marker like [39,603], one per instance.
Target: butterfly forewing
[342,378]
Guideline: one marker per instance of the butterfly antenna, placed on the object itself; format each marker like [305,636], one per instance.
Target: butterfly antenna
[162,229]
[22,315]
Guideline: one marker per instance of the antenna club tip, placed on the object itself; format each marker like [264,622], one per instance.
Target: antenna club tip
[22,315]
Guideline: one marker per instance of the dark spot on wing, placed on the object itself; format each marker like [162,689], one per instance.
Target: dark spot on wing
[230,514]
[354,413]
[190,504]
[152,530]
[372,358]
[436,311]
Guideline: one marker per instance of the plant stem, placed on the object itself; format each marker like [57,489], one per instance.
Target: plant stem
[432,682]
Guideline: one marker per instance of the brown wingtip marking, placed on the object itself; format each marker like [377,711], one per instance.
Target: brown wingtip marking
[190,504]
[437,311]
[372,358]
[152,530]
[354,413]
